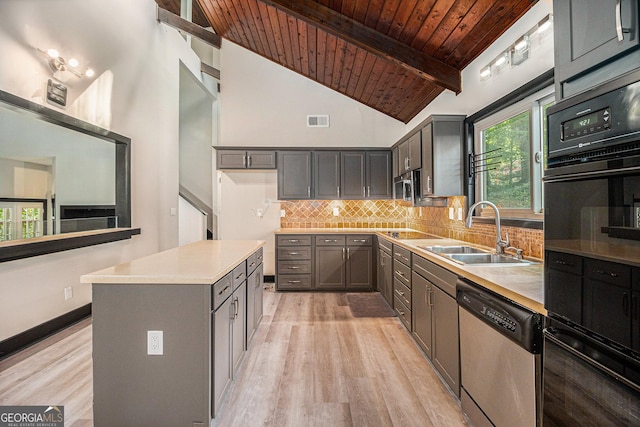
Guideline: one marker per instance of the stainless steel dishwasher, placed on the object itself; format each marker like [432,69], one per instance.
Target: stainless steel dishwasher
[500,346]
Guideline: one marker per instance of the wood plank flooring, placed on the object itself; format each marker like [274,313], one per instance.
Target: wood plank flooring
[311,363]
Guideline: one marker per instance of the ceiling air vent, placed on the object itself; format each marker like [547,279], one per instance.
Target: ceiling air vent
[318,121]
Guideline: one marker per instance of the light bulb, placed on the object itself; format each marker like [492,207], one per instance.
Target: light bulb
[500,60]
[89,72]
[53,53]
[486,72]
[522,44]
[73,62]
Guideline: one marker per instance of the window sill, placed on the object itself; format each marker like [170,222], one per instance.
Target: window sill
[532,223]
[19,249]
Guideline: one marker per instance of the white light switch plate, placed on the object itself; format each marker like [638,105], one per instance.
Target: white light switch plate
[282,213]
[450,213]
[336,211]
[459,214]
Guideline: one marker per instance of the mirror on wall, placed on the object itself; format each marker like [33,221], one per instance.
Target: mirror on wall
[58,174]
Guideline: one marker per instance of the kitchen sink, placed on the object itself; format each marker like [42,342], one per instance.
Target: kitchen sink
[487,258]
[453,249]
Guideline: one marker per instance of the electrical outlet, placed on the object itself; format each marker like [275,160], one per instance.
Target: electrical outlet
[282,213]
[450,213]
[336,211]
[68,293]
[155,345]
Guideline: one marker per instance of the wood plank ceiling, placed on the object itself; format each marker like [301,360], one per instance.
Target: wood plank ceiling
[395,56]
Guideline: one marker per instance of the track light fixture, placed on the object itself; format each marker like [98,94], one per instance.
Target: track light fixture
[58,63]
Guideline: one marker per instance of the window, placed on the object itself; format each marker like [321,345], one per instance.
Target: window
[6,226]
[509,156]
[21,220]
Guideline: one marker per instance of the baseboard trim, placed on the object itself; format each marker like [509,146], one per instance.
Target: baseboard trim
[37,333]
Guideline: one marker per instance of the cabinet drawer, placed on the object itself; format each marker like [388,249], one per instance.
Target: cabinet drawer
[294,240]
[616,274]
[385,245]
[220,291]
[254,260]
[442,278]
[360,240]
[294,282]
[401,254]
[402,272]
[404,314]
[293,253]
[564,262]
[294,267]
[402,291]
[239,274]
[330,240]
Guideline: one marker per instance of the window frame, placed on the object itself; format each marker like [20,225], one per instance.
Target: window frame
[533,103]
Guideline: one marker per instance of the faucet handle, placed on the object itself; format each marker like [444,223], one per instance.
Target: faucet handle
[517,250]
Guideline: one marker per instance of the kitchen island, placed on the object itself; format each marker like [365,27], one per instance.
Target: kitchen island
[169,331]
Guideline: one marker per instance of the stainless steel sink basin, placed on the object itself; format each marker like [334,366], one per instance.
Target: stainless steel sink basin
[486,258]
[454,249]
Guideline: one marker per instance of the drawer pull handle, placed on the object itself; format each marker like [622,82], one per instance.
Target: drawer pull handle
[294,253]
[293,267]
[399,273]
[252,264]
[401,312]
[239,276]
[330,241]
[294,281]
[401,293]
[607,273]
[224,290]
[560,262]
[294,241]
[360,240]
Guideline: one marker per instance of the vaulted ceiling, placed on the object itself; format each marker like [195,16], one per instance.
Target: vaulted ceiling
[395,56]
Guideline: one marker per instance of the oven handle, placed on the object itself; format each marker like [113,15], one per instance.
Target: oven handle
[549,336]
[592,174]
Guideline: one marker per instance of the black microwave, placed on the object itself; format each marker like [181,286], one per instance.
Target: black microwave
[599,124]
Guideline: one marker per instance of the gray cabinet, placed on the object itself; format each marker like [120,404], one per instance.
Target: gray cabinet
[222,368]
[402,286]
[330,256]
[326,169]
[294,175]
[435,318]
[409,154]
[353,175]
[385,270]
[238,325]
[255,292]
[293,262]
[378,175]
[442,162]
[594,41]
[245,159]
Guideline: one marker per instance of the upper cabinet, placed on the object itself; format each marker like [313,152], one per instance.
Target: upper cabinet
[442,163]
[245,159]
[366,175]
[409,154]
[593,42]
[294,175]
[326,175]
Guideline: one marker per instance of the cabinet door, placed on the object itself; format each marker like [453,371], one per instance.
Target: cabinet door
[251,302]
[353,175]
[258,307]
[586,34]
[294,175]
[378,166]
[607,310]
[427,160]
[326,174]
[238,325]
[403,158]
[415,151]
[421,312]
[446,347]
[395,162]
[388,277]
[330,267]
[231,159]
[359,267]
[221,354]
[563,294]
[261,159]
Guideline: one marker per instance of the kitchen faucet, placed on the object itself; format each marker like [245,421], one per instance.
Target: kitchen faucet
[500,244]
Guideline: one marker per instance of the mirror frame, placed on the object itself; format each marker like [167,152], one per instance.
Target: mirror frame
[12,250]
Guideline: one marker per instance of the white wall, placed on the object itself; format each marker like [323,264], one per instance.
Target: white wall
[265,104]
[138,96]
[475,94]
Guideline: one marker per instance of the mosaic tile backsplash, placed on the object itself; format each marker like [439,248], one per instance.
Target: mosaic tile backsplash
[398,214]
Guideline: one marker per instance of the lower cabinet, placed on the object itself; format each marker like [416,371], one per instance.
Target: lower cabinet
[324,262]
[255,291]
[385,271]
[435,318]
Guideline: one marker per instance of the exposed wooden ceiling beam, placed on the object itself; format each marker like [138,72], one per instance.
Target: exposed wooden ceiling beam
[175,21]
[372,41]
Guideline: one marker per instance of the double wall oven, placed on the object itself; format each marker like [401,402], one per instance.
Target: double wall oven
[591,357]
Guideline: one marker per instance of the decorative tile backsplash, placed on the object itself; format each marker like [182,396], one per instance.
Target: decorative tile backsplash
[399,214]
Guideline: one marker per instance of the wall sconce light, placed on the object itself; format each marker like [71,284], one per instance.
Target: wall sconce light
[519,51]
[58,63]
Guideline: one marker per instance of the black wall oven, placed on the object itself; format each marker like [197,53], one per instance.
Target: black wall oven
[591,359]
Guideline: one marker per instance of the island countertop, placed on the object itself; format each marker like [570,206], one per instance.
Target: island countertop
[203,262]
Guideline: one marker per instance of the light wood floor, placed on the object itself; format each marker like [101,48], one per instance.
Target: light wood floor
[311,363]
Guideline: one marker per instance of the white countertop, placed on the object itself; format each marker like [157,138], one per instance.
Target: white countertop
[203,262]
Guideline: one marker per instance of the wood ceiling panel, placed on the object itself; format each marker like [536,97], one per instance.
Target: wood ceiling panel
[449,32]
